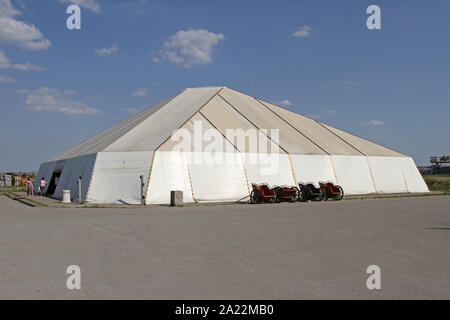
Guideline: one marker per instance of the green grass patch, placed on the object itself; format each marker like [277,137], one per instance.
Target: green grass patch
[11,189]
[438,182]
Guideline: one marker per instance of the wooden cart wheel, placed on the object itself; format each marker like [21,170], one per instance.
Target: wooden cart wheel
[308,194]
[325,193]
[302,195]
[341,195]
[320,197]
[277,198]
[296,196]
[253,197]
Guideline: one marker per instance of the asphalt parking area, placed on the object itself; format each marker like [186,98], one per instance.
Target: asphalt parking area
[273,251]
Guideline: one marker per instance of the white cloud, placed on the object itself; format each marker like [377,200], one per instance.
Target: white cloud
[104,52]
[140,92]
[284,102]
[155,58]
[5,79]
[302,32]
[7,9]
[22,91]
[313,116]
[191,47]
[18,33]
[330,112]
[130,110]
[57,101]
[4,61]
[134,4]
[352,83]
[374,123]
[88,4]
[27,67]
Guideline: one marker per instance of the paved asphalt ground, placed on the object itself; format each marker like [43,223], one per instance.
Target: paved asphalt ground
[273,251]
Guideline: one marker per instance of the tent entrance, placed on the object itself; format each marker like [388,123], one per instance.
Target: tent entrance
[53,183]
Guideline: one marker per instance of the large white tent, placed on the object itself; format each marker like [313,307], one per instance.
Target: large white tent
[294,149]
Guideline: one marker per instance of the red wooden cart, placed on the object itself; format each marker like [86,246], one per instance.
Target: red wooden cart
[331,191]
[286,193]
[308,191]
[262,193]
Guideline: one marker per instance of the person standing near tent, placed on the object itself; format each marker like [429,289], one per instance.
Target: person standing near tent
[30,187]
[42,185]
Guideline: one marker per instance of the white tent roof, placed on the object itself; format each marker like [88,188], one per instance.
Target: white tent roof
[223,108]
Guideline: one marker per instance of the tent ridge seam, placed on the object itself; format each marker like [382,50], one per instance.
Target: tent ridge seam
[189,118]
[321,124]
[293,127]
[104,134]
[380,145]
[252,123]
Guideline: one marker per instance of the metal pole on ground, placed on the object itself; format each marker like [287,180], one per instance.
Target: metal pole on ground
[142,189]
[79,190]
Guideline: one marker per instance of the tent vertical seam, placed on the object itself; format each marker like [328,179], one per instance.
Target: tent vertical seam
[148,179]
[404,179]
[292,170]
[92,178]
[371,174]
[334,169]
[156,149]
[243,165]
[192,187]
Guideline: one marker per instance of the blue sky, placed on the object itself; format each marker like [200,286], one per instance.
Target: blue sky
[59,86]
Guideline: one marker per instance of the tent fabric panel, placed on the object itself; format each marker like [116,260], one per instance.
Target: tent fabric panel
[235,127]
[271,168]
[313,168]
[83,166]
[368,148]
[353,174]
[197,135]
[169,172]
[215,181]
[387,174]
[150,134]
[45,171]
[103,139]
[314,131]
[116,177]
[63,178]
[289,138]
[413,178]
[73,168]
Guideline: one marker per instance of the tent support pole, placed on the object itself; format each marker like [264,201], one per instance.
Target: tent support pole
[149,174]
